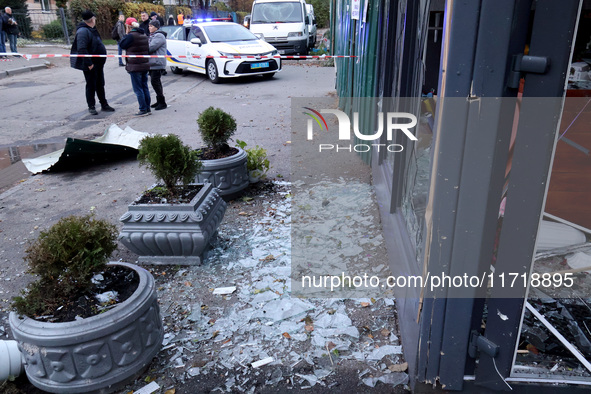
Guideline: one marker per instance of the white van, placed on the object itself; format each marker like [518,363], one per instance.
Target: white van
[283,24]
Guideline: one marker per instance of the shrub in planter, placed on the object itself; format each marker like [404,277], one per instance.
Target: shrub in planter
[224,166]
[169,161]
[72,344]
[216,128]
[257,162]
[65,258]
[172,223]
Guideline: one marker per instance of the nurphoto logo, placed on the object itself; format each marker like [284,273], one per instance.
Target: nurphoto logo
[402,121]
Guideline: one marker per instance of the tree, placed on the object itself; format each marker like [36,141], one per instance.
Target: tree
[241,5]
[321,12]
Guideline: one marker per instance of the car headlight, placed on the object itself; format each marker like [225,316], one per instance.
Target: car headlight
[227,54]
[295,34]
[272,53]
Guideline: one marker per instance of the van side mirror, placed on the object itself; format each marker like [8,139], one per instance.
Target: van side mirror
[246,22]
[196,41]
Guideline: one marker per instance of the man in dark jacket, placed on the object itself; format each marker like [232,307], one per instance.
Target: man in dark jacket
[10,28]
[88,42]
[145,22]
[136,43]
[155,17]
[2,36]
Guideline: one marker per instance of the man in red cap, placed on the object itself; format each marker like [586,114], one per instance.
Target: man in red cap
[88,42]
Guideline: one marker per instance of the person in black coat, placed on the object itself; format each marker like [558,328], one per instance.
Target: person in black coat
[10,27]
[88,42]
[155,17]
[2,36]
[145,23]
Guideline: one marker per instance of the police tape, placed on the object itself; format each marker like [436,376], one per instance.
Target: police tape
[261,57]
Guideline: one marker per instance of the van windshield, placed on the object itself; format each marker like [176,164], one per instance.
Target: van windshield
[281,12]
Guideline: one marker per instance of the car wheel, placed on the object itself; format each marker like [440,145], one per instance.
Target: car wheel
[268,76]
[176,70]
[212,72]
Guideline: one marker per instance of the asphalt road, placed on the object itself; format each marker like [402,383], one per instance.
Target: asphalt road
[47,106]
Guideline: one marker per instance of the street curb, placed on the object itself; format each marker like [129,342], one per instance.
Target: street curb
[22,70]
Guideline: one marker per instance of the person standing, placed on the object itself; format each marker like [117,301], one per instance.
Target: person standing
[10,28]
[180,19]
[154,16]
[2,36]
[120,26]
[170,20]
[145,22]
[88,42]
[157,43]
[135,42]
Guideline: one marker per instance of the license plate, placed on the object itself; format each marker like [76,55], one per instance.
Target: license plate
[254,66]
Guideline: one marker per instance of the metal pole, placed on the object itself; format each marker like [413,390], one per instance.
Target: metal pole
[65,26]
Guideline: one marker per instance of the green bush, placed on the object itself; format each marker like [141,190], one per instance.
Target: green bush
[65,258]
[106,12]
[54,29]
[169,161]
[256,158]
[134,10]
[321,12]
[216,128]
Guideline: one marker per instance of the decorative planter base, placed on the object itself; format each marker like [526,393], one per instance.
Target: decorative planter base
[228,174]
[173,233]
[97,354]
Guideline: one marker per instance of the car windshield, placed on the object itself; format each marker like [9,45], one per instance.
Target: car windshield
[283,12]
[226,33]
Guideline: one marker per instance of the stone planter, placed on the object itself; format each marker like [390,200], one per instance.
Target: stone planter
[228,174]
[100,353]
[173,233]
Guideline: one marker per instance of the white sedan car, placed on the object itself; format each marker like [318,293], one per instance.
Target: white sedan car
[211,40]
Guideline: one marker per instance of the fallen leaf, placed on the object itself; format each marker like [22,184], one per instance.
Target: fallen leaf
[365,304]
[398,367]
[385,332]
[268,259]
[309,328]
[171,391]
[286,335]
[188,284]
[373,300]
[307,320]
[243,213]
[369,335]
[331,345]
[215,334]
